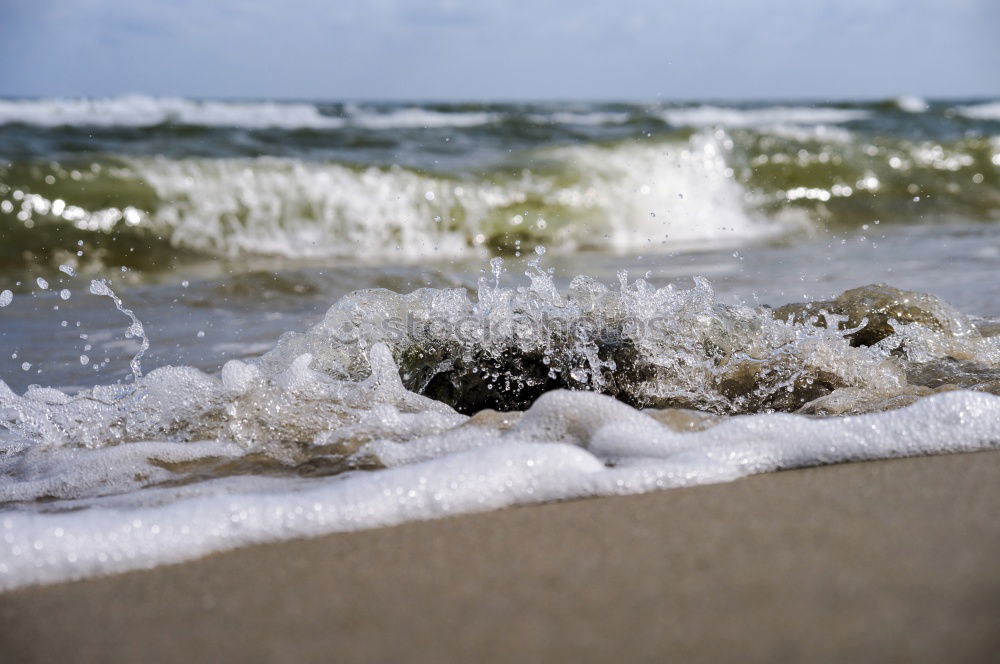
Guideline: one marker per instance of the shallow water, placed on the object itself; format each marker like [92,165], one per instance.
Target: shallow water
[678,294]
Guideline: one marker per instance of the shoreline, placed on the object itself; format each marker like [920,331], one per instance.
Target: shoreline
[873,561]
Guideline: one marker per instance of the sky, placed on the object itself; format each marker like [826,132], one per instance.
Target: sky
[491,50]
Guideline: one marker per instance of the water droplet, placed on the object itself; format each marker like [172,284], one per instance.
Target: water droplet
[64,294]
[6,297]
[44,285]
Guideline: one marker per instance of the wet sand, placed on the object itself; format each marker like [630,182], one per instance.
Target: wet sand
[882,562]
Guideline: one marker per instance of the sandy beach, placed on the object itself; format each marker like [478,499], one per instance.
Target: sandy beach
[881,561]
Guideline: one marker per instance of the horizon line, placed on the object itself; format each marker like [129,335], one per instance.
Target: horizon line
[513,100]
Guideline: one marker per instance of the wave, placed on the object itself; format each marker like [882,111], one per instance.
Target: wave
[146,111]
[985,111]
[416,118]
[705,116]
[181,463]
[911,104]
[581,118]
[485,471]
[142,111]
[806,133]
[608,197]
[709,188]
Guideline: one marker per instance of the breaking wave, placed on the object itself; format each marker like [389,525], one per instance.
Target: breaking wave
[614,197]
[703,116]
[416,117]
[414,182]
[434,403]
[145,111]
[985,111]
[141,111]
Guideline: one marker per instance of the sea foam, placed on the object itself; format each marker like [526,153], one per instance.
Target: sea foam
[646,196]
[416,118]
[702,116]
[335,429]
[561,450]
[985,111]
[142,111]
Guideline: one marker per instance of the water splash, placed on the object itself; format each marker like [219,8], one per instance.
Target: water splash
[242,453]
[134,331]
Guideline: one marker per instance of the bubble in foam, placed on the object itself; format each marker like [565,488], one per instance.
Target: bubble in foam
[42,283]
[6,297]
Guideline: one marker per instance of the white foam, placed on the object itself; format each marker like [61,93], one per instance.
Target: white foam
[80,473]
[142,111]
[579,118]
[706,116]
[560,450]
[821,133]
[630,193]
[663,195]
[912,104]
[335,395]
[985,111]
[300,209]
[415,117]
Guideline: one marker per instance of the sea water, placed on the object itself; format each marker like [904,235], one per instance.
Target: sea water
[224,323]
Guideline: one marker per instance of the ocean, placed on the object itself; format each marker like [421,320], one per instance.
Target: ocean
[228,322]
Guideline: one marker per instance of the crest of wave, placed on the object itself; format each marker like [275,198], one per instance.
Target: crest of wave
[389,368]
[650,347]
[143,111]
[621,196]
